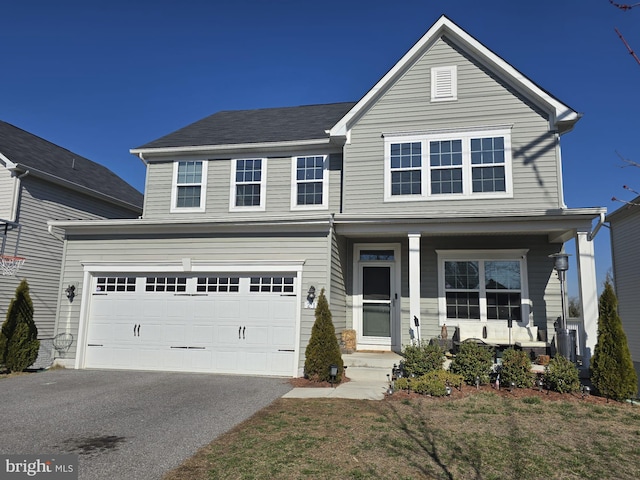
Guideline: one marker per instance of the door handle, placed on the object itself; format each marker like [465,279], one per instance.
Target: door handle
[239,331]
[243,329]
[138,329]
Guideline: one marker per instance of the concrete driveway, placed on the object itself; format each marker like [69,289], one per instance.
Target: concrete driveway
[126,425]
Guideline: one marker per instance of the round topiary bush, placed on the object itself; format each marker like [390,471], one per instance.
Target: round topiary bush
[473,360]
[516,368]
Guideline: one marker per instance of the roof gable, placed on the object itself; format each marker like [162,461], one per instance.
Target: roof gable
[561,116]
[24,151]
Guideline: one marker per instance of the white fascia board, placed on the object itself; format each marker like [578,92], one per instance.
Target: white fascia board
[231,148]
[558,110]
[8,164]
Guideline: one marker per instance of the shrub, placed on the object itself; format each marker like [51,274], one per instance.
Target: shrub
[422,358]
[516,368]
[19,342]
[612,372]
[435,382]
[402,383]
[473,360]
[561,375]
[323,349]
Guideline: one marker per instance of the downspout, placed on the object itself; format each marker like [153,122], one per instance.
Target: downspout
[53,234]
[16,195]
[595,230]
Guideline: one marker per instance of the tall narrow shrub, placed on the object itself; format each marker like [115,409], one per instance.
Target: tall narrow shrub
[19,342]
[323,349]
[612,371]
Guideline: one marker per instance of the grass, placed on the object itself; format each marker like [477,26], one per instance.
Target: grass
[482,436]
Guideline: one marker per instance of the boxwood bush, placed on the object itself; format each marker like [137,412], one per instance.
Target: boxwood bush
[516,368]
[473,360]
[561,375]
[422,358]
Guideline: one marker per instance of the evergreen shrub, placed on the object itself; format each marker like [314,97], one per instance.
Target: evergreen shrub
[473,360]
[561,375]
[19,342]
[516,368]
[323,349]
[612,372]
[422,358]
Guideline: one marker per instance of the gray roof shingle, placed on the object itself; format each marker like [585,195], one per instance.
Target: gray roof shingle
[306,122]
[31,151]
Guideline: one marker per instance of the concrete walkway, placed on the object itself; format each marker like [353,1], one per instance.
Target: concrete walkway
[367,373]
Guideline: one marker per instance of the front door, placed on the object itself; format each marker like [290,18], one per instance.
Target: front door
[376,317]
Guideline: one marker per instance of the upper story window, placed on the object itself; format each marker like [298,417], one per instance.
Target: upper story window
[189,186]
[444,83]
[309,183]
[248,182]
[450,165]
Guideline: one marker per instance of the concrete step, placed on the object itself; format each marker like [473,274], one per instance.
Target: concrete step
[365,366]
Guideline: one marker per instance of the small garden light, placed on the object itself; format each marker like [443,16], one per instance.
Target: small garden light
[586,391]
[512,386]
[477,382]
[333,373]
[448,390]
[540,384]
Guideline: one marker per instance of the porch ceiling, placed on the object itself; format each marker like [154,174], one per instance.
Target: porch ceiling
[559,225]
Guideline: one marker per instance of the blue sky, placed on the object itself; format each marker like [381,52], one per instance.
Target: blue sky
[102,77]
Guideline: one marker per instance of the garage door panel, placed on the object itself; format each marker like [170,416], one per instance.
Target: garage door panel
[238,331]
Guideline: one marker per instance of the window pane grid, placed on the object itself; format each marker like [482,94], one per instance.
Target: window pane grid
[406,168]
[487,150]
[445,153]
[272,284]
[218,284]
[189,172]
[115,284]
[310,193]
[188,197]
[488,179]
[248,182]
[166,284]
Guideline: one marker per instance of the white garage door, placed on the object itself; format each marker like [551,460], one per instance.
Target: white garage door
[197,323]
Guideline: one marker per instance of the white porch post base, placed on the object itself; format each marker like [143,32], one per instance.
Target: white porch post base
[414,283]
[588,288]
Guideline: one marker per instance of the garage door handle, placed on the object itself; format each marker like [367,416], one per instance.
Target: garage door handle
[94,345]
[239,332]
[243,329]
[285,350]
[180,347]
[136,330]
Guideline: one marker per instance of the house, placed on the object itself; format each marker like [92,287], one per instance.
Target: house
[40,181]
[625,231]
[436,199]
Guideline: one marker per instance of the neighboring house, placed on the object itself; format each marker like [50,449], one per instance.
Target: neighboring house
[625,234]
[437,197]
[40,181]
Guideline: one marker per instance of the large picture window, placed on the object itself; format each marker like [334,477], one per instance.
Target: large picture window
[482,286]
[189,186]
[448,165]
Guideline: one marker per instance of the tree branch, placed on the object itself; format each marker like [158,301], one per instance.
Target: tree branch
[623,6]
[631,52]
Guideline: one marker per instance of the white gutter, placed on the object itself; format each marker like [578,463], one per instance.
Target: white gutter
[594,232]
[53,234]
[16,195]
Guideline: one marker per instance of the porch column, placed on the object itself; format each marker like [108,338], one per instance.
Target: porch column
[588,288]
[414,283]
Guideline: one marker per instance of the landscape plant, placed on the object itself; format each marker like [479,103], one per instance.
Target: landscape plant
[473,360]
[516,368]
[422,358]
[323,349]
[612,372]
[561,375]
[19,342]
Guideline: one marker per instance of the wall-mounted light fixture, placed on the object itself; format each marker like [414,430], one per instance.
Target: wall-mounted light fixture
[311,297]
[71,292]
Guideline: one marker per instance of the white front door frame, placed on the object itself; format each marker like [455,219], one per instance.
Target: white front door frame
[377,343]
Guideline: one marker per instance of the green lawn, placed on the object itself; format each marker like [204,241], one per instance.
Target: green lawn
[481,436]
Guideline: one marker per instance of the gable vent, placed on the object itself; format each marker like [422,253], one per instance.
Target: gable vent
[444,83]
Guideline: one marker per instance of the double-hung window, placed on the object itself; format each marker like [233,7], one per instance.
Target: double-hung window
[248,184]
[309,182]
[482,285]
[448,165]
[189,186]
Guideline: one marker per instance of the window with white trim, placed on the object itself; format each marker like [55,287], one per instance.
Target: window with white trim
[444,83]
[309,182]
[248,181]
[189,186]
[482,286]
[448,165]
[272,284]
